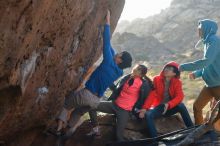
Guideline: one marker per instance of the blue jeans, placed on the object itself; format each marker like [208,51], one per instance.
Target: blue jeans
[157,112]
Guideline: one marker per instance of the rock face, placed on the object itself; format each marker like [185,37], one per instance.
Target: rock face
[46,49]
[174,31]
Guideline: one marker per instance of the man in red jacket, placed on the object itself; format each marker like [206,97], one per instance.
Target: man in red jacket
[165,99]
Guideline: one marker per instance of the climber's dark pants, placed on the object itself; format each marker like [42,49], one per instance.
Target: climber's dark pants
[122,116]
[81,101]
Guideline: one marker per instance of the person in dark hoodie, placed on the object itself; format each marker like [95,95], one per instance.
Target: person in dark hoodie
[77,103]
[165,99]
[129,95]
[208,68]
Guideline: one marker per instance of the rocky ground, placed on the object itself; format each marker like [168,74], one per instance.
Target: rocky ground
[135,130]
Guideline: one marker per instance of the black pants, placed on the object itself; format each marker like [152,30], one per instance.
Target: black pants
[122,116]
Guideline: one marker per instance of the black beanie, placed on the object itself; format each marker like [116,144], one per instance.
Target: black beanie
[126,60]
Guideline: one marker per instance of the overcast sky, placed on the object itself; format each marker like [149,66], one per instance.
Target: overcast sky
[143,8]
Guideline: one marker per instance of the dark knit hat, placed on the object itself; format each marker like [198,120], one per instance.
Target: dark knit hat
[126,60]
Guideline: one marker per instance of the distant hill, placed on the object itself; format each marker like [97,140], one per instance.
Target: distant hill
[169,35]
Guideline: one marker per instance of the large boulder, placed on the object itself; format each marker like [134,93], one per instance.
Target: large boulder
[46,49]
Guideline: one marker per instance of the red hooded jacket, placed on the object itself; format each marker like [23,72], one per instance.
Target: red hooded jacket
[156,96]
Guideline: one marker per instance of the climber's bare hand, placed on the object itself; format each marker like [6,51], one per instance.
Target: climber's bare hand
[108,16]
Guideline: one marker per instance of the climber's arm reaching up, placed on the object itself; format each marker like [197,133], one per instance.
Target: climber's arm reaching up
[108,52]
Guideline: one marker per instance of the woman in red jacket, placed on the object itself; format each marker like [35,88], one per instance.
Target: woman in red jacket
[165,99]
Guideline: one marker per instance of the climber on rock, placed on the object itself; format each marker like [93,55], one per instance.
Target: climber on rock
[77,103]
[129,95]
[208,68]
[165,99]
